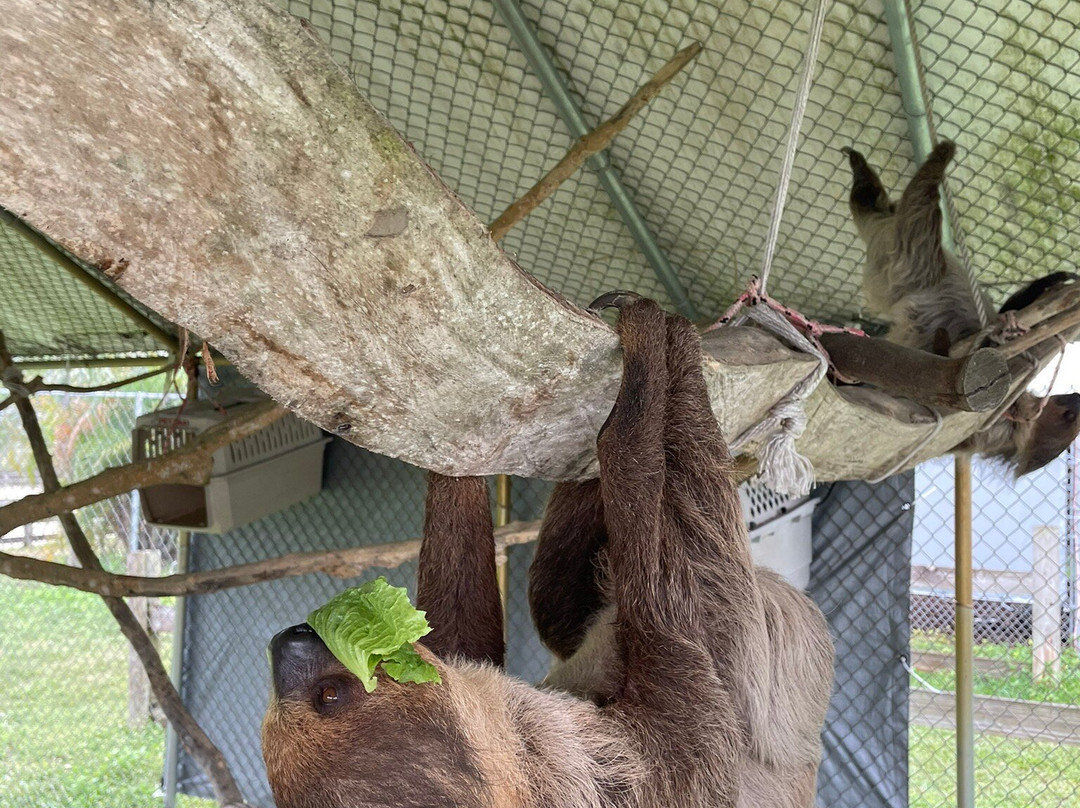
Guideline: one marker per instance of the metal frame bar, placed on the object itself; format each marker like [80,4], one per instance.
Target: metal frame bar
[964,630]
[176,669]
[920,133]
[51,253]
[558,92]
[907,73]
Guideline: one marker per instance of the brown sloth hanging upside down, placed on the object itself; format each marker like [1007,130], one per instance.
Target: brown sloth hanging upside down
[912,281]
[716,675]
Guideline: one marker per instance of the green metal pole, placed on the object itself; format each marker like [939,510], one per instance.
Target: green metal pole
[555,88]
[172,742]
[911,95]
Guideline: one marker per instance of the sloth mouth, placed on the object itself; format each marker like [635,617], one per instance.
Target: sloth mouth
[297,655]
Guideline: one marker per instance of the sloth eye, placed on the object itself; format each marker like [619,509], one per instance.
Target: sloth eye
[329,696]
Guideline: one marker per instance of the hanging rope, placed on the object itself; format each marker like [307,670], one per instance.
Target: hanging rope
[798,112]
[780,466]
[950,207]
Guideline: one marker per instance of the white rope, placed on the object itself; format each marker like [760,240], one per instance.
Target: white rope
[950,207]
[780,465]
[797,115]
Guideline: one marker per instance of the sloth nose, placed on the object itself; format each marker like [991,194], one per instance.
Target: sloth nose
[297,656]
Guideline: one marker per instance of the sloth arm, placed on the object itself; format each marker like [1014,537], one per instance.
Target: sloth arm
[919,222]
[564,589]
[681,573]
[456,584]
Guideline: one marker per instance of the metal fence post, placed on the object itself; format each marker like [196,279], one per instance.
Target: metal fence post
[965,639]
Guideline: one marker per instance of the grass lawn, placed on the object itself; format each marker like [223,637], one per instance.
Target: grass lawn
[64,739]
[65,743]
[1019,685]
[1008,773]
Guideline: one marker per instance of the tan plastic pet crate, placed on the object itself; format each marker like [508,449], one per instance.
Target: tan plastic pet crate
[264,473]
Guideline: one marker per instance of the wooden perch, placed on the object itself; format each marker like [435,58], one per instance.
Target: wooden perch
[214,160]
[339,563]
[596,141]
[1053,313]
[975,383]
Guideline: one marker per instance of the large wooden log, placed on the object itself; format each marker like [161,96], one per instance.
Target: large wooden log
[212,159]
[977,382]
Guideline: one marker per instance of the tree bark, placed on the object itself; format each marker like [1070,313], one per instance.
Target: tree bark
[213,160]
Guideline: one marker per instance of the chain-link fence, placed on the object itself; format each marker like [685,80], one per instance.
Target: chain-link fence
[77,727]
[1026,670]
[702,163]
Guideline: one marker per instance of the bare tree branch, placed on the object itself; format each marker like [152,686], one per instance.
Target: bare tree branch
[595,141]
[1057,325]
[345,563]
[1046,310]
[38,385]
[191,735]
[191,464]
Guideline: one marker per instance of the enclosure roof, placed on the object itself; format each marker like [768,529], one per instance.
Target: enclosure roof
[702,162]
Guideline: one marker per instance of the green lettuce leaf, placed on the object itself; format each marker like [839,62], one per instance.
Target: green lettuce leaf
[372,624]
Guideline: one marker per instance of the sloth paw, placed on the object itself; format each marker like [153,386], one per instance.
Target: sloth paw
[616,300]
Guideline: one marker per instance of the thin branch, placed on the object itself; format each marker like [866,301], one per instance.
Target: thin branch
[38,385]
[191,464]
[191,735]
[595,141]
[1063,299]
[346,563]
[1058,324]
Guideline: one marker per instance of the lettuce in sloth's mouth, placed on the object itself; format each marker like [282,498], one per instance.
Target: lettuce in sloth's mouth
[371,625]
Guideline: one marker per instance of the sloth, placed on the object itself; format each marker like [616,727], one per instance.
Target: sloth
[780,679]
[912,281]
[713,684]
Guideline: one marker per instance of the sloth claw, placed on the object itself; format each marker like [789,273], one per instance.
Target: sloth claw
[854,157]
[616,299]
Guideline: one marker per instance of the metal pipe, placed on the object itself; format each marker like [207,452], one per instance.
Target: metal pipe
[911,95]
[57,256]
[556,89]
[503,515]
[964,636]
[172,742]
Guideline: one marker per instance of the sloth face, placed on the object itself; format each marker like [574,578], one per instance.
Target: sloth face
[1055,429]
[328,743]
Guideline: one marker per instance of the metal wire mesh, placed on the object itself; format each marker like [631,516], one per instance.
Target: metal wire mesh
[702,163]
[1027,671]
[49,314]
